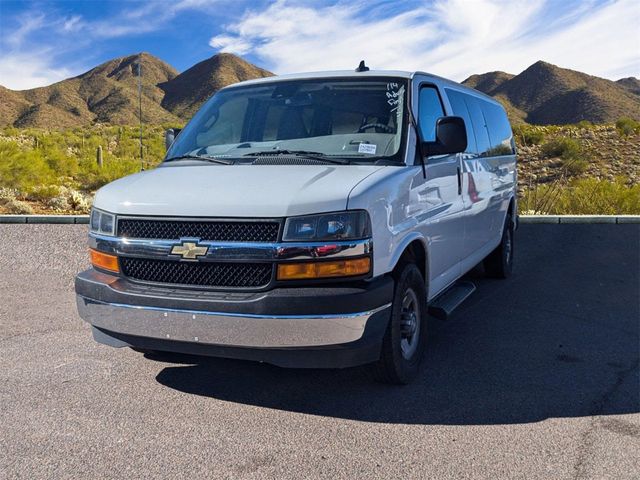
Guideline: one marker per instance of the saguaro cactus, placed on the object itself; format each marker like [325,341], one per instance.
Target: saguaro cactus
[99,156]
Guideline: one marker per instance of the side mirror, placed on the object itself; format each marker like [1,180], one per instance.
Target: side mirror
[170,135]
[451,137]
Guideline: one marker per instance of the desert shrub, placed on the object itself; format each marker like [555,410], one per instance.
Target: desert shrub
[584,124]
[59,203]
[584,196]
[528,135]
[575,166]
[17,207]
[22,169]
[42,193]
[7,193]
[93,177]
[627,126]
[565,148]
[62,165]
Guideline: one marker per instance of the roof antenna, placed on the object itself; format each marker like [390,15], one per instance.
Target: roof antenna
[139,65]
[362,67]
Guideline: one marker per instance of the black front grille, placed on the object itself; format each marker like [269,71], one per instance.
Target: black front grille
[223,231]
[204,274]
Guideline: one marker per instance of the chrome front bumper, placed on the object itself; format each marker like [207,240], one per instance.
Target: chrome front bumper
[227,329]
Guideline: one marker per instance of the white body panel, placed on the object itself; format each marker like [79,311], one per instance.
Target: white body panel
[233,191]
[457,229]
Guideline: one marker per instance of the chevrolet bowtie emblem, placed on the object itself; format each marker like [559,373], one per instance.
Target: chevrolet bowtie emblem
[189,250]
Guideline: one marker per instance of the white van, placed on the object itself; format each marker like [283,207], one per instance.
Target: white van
[313,220]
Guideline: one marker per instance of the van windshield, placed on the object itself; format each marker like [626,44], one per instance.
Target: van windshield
[358,120]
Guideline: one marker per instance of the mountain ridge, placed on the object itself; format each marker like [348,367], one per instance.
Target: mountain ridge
[547,94]
[108,93]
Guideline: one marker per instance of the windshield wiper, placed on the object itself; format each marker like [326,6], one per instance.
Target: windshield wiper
[201,158]
[299,153]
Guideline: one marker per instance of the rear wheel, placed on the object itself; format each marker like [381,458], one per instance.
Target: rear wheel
[405,339]
[499,263]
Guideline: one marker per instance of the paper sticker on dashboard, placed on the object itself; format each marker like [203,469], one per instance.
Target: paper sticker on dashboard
[367,148]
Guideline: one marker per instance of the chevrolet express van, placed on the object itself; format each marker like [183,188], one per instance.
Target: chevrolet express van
[314,220]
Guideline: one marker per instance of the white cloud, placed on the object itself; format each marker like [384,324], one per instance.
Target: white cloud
[149,17]
[28,61]
[28,24]
[24,71]
[72,23]
[453,38]
[227,43]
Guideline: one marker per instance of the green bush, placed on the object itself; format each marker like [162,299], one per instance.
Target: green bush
[565,148]
[42,193]
[575,166]
[528,135]
[33,157]
[22,169]
[63,165]
[584,124]
[93,177]
[627,126]
[584,196]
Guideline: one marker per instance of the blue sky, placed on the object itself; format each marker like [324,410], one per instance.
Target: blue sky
[45,41]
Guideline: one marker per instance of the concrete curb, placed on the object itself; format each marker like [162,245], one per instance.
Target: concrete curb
[548,219]
[593,219]
[45,219]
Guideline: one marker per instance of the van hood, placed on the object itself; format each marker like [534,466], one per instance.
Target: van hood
[233,190]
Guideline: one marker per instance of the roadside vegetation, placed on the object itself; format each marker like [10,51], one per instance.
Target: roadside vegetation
[579,169]
[58,171]
[583,196]
[569,169]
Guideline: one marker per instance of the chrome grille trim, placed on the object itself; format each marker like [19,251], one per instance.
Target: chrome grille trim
[233,251]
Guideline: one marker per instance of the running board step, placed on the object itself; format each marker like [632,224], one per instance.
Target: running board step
[444,305]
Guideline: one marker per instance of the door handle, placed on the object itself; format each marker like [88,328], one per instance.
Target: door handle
[459,181]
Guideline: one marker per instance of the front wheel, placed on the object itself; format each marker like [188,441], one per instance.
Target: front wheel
[405,338]
[499,263]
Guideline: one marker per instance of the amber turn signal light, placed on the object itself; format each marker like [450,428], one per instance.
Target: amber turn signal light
[104,261]
[342,268]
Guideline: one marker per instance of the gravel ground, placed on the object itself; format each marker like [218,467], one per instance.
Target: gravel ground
[534,378]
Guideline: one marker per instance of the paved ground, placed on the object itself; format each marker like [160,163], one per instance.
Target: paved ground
[536,377]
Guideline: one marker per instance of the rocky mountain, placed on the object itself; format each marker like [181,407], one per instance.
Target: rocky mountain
[108,93]
[630,83]
[186,92]
[546,94]
[488,82]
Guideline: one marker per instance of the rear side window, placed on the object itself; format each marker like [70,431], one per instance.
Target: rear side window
[483,144]
[499,129]
[429,110]
[460,110]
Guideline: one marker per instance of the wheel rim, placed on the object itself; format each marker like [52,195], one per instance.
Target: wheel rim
[508,246]
[409,324]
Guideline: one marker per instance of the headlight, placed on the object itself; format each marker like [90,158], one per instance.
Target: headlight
[348,225]
[102,223]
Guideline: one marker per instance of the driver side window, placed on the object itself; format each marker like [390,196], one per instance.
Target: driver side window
[429,110]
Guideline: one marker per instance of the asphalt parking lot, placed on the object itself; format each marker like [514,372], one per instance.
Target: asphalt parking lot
[534,377]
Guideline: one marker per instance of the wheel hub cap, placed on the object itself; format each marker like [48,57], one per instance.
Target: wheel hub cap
[409,324]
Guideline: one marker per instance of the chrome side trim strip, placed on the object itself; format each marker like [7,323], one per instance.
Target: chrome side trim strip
[230,329]
[220,251]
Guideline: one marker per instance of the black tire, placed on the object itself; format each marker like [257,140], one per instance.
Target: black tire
[400,359]
[499,263]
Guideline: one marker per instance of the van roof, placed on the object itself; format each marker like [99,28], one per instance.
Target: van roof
[354,74]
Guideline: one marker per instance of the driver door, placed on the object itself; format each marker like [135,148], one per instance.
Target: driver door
[439,198]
